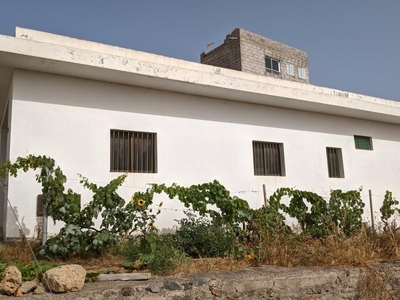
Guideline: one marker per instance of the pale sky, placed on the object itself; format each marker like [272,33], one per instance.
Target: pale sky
[352,45]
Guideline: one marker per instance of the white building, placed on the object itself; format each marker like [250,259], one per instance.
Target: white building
[70,99]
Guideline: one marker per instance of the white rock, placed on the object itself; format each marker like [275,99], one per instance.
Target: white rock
[67,278]
[11,281]
[28,286]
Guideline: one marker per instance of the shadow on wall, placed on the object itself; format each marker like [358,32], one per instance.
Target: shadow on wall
[59,90]
[13,229]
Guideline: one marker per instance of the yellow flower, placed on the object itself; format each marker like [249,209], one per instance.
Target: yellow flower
[161,203]
[250,256]
[141,202]
[133,198]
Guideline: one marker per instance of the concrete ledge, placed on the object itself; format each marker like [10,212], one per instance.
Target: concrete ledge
[376,281]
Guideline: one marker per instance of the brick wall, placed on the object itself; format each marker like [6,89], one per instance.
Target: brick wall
[246,51]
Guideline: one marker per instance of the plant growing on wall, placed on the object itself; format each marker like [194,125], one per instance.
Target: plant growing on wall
[317,217]
[199,198]
[346,209]
[79,233]
[387,210]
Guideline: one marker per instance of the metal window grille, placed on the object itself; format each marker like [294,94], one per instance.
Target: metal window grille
[363,142]
[134,152]
[272,65]
[268,159]
[335,162]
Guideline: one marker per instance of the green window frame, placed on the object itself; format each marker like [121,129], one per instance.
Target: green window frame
[363,142]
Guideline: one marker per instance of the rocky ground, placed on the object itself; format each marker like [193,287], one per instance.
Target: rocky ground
[268,282]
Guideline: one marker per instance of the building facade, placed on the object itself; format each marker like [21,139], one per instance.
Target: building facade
[102,111]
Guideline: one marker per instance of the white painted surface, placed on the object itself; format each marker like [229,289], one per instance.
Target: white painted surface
[199,139]
[39,51]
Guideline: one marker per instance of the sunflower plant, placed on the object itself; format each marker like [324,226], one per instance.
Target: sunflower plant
[79,233]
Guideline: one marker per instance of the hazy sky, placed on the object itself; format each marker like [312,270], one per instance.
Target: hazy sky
[352,45]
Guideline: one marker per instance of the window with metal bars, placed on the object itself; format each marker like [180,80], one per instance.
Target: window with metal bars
[268,159]
[272,65]
[132,151]
[335,162]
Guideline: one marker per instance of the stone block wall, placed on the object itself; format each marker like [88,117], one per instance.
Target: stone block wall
[226,55]
[246,51]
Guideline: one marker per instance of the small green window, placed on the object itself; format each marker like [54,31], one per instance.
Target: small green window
[363,142]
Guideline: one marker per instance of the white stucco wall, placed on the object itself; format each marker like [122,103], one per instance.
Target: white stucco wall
[199,139]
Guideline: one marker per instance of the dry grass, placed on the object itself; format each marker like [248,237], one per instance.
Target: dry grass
[93,263]
[295,250]
[287,250]
[203,265]
[377,283]
[18,251]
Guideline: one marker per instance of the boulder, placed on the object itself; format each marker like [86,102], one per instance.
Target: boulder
[11,281]
[67,278]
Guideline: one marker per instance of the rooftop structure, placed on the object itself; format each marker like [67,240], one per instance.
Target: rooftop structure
[245,51]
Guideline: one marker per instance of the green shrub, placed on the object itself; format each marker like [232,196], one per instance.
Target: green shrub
[346,210]
[200,237]
[155,252]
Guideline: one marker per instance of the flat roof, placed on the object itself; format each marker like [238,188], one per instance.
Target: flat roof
[49,53]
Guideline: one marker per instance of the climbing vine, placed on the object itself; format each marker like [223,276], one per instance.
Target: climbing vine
[317,217]
[117,218]
[79,232]
[387,209]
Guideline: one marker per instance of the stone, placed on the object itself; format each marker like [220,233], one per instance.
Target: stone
[171,285]
[197,281]
[187,286]
[11,281]
[127,291]
[109,293]
[18,293]
[152,297]
[28,286]
[67,278]
[154,287]
[216,292]
[96,297]
[40,290]
[123,277]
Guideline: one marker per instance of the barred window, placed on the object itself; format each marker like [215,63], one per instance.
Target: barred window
[268,159]
[133,151]
[335,162]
